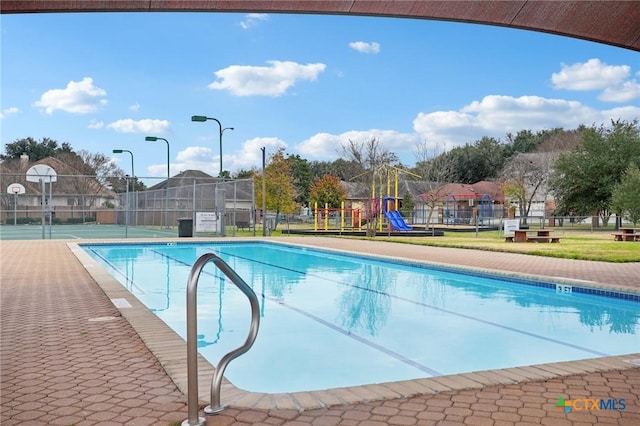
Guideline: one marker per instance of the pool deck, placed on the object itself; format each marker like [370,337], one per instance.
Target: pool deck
[70,356]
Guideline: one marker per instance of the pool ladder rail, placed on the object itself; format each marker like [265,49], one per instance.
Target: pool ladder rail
[192,339]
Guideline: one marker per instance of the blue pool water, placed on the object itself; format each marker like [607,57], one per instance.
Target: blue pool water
[331,320]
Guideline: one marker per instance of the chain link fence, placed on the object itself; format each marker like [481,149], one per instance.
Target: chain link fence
[211,206]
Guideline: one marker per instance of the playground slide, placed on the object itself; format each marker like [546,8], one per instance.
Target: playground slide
[397,222]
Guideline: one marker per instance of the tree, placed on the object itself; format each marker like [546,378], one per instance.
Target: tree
[435,169]
[584,179]
[369,156]
[485,161]
[626,195]
[35,150]
[407,205]
[526,141]
[118,181]
[95,172]
[328,190]
[345,170]
[475,162]
[244,174]
[280,192]
[524,177]
[302,178]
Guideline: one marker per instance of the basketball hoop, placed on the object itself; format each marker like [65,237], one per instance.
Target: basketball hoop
[16,189]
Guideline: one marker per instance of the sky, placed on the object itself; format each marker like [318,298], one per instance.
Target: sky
[308,83]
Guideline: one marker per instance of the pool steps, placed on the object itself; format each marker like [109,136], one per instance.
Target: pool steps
[192,338]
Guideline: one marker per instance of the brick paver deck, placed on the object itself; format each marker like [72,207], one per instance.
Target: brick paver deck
[69,356]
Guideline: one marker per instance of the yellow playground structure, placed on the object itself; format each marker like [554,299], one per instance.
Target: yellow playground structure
[382,208]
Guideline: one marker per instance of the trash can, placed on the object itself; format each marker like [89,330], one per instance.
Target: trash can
[185,227]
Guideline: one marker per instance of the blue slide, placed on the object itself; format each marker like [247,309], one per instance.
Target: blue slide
[397,221]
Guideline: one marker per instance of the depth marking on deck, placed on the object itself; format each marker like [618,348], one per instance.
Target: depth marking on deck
[121,303]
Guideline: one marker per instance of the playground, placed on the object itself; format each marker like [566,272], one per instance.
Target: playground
[380,212]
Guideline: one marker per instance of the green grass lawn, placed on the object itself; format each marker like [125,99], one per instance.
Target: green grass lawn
[574,244]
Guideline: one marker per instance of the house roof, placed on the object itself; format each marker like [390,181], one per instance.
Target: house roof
[66,183]
[184,178]
[180,185]
[462,191]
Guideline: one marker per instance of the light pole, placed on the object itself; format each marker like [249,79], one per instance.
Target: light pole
[264,193]
[166,198]
[203,118]
[133,180]
[120,151]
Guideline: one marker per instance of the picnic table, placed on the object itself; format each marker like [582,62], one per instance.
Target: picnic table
[627,234]
[541,236]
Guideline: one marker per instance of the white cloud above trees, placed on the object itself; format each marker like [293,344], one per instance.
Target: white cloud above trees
[365,47]
[9,111]
[497,115]
[273,80]
[147,125]
[614,81]
[78,97]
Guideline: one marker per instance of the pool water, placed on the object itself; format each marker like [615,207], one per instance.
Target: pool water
[332,320]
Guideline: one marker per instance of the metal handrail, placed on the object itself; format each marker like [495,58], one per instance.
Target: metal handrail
[192,339]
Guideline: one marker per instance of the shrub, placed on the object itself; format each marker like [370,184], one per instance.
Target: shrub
[22,220]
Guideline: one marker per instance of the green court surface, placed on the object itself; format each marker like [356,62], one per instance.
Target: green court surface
[58,232]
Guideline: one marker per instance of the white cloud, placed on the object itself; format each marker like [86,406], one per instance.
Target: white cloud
[492,116]
[9,111]
[79,97]
[198,154]
[590,75]
[95,124]
[496,116]
[250,154]
[274,80]
[252,19]
[134,107]
[159,170]
[625,92]
[328,146]
[141,126]
[364,47]
[193,158]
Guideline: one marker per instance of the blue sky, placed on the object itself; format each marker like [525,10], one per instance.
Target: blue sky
[104,81]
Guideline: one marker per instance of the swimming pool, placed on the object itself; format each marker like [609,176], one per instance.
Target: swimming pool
[330,320]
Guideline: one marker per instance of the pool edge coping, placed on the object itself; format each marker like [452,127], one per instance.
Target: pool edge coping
[170,350]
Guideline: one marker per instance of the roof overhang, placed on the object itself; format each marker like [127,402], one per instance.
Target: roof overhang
[615,23]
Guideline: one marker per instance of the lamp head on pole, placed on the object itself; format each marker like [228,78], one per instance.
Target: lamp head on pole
[150,138]
[200,118]
[117,151]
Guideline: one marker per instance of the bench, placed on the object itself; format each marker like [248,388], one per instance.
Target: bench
[539,239]
[543,239]
[243,225]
